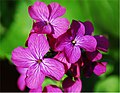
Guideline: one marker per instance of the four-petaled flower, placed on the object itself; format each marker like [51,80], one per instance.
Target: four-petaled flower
[72,50]
[73,40]
[48,19]
[33,59]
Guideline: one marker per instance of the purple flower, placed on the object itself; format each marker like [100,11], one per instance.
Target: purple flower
[52,88]
[61,57]
[100,68]
[91,65]
[48,19]
[74,39]
[21,80]
[72,86]
[33,59]
[47,89]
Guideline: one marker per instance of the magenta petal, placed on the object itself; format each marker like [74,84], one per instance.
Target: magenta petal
[53,68]
[52,88]
[94,56]
[61,57]
[42,27]
[39,11]
[62,41]
[60,26]
[34,77]
[22,70]
[73,53]
[100,68]
[51,41]
[21,82]
[88,28]
[87,42]
[77,28]
[56,10]
[38,45]
[22,57]
[38,90]
[102,43]
[72,86]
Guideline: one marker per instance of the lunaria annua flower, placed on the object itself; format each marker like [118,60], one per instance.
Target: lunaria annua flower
[73,40]
[72,51]
[48,19]
[33,59]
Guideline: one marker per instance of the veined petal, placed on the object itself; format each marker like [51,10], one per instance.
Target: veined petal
[72,86]
[38,90]
[88,28]
[39,11]
[52,88]
[56,10]
[77,28]
[100,68]
[21,82]
[102,43]
[72,53]
[87,42]
[22,57]
[61,57]
[60,26]
[53,68]
[62,41]
[94,56]
[34,77]
[38,45]
[42,27]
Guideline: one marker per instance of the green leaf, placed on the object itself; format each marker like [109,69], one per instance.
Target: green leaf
[18,31]
[110,84]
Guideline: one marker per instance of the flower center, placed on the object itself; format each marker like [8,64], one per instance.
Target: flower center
[39,61]
[73,42]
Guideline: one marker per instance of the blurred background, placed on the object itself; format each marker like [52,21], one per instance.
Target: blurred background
[15,25]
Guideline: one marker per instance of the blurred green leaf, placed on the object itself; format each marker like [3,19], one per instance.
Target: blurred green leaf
[18,32]
[110,84]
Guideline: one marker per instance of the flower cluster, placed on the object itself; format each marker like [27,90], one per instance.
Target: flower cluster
[55,48]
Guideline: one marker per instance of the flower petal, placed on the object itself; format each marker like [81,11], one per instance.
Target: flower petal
[94,56]
[53,68]
[102,43]
[39,11]
[38,90]
[62,41]
[100,68]
[22,70]
[51,41]
[38,45]
[42,27]
[21,82]
[88,28]
[77,28]
[72,53]
[22,57]
[52,88]
[72,86]
[61,57]
[60,26]
[34,77]
[87,42]
[56,10]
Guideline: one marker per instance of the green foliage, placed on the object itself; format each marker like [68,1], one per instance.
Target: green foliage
[110,84]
